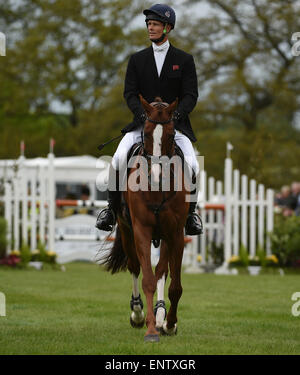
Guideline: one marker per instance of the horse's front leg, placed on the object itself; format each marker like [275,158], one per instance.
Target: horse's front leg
[137,317]
[176,246]
[142,239]
[161,272]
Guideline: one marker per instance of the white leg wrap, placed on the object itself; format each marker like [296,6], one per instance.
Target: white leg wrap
[137,315]
[160,317]
[160,314]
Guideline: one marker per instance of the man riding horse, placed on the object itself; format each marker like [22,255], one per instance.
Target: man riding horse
[165,71]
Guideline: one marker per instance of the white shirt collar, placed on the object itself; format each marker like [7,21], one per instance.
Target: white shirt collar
[161,48]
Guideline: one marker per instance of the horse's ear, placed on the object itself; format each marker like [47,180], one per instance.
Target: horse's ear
[171,108]
[147,107]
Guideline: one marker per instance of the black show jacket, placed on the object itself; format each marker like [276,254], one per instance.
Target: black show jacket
[177,79]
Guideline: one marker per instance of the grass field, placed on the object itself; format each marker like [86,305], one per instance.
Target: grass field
[85,310]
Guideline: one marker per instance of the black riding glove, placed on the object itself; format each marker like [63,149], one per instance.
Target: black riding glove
[176,116]
[142,117]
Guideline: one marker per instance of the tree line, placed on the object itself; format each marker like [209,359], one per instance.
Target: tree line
[63,75]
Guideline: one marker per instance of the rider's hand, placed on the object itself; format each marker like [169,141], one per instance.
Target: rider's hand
[142,117]
[176,116]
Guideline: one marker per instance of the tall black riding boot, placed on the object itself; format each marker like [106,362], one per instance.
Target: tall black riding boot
[193,225]
[108,216]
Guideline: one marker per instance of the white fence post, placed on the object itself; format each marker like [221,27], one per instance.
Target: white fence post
[33,212]
[261,216]
[211,214]
[203,184]
[16,208]
[270,218]
[252,218]
[51,202]
[236,201]
[244,213]
[24,189]
[42,200]
[228,210]
[8,213]
[220,215]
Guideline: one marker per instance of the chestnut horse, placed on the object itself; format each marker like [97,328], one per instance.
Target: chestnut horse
[148,215]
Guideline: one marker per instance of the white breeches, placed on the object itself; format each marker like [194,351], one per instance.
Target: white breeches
[134,136]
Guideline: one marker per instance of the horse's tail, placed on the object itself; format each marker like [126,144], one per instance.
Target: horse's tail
[116,260]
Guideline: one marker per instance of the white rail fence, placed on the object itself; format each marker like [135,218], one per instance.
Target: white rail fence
[235,212]
[29,203]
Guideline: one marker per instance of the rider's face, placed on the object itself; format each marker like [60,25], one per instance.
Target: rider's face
[155,29]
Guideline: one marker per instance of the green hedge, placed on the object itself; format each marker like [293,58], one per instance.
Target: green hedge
[285,240]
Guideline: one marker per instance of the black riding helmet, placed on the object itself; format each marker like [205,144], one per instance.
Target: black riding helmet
[162,13]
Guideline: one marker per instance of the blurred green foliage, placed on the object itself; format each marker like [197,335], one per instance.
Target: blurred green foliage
[71,55]
[285,240]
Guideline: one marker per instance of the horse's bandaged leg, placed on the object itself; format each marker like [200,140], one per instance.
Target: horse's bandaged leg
[137,316]
[160,314]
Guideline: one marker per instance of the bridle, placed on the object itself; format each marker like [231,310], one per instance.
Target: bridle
[156,104]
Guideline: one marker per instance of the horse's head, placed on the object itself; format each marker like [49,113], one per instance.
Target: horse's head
[159,127]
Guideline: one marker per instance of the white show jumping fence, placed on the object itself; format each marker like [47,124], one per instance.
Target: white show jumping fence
[29,203]
[233,213]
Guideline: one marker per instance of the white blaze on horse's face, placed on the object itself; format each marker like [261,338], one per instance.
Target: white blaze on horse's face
[157,136]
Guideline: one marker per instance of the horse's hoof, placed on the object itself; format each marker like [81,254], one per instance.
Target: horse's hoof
[137,319]
[168,332]
[137,324]
[151,338]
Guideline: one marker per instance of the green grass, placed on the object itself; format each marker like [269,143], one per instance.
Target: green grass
[85,310]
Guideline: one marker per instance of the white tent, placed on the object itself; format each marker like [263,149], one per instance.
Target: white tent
[83,169]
